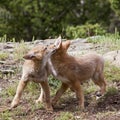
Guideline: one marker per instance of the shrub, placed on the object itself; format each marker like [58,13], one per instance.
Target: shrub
[84,31]
[4,56]
[54,83]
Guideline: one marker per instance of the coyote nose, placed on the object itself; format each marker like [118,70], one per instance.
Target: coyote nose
[29,56]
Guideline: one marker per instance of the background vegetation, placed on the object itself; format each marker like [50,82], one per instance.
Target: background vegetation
[41,19]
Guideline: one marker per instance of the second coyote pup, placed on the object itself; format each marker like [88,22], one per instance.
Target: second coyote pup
[34,70]
[73,71]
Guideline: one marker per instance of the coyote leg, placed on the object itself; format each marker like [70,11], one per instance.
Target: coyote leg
[99,80]
[59,93]
[22,84]
[41,97]
[79,94]
[46,90]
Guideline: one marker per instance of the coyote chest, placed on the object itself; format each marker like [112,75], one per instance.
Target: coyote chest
[55,72]
[34,75]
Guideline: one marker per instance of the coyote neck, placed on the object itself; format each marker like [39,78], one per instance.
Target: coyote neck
[52,69]
[55,62]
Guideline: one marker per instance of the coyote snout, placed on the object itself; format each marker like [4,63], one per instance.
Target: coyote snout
[73,71]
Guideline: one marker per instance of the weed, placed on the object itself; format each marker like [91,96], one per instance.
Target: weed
[54,82]
[112,73]
[111,91]
[3,39]
[20,50]
[5,116]
[65,116]
[4,56]
[100,116]
[10,91]
[35,106]
[32,87]
[106,42]
[90,87]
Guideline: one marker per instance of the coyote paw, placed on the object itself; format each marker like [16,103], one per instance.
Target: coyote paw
[39,101]
[49,109]
[14,104]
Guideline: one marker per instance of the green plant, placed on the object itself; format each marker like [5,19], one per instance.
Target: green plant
[111,91]
[5,116]
[84,31]
[32,87]
[65,116]
[90,87]
[20,50]
[54,82]
[112,73]
[4,56]
[10,91]
[106,43]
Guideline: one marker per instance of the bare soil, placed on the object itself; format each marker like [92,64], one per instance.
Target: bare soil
[105,108]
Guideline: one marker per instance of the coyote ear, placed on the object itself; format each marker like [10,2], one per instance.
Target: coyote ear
[29,56]
[66,45]
[58,42]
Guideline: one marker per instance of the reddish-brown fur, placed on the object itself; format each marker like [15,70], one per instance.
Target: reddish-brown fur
[73,71]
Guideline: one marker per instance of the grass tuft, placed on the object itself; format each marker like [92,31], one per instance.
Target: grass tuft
[20,50]
[65,116]
[4,56]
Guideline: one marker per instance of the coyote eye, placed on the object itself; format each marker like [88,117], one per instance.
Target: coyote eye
[45,48]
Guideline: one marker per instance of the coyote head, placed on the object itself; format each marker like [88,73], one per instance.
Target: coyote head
[59,47]
[36,54]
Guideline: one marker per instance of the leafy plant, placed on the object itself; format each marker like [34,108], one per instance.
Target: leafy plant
[4,56]
[54,82]
[112,73]
[65,116]
[111,91]
[20,50]
[84,31]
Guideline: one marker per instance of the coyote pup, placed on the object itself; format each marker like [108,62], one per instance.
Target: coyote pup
[73,71]
[34,70]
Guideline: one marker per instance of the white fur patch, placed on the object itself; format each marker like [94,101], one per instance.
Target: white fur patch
[52,67]
[63,79]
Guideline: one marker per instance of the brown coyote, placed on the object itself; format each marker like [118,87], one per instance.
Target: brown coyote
[72,71]
[34,70]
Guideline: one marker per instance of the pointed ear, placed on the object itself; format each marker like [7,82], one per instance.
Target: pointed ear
[66,45]
[29,56]
[58,42]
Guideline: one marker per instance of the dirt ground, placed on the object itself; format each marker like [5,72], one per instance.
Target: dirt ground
[106,108]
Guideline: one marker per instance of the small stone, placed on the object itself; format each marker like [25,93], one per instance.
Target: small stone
[7,71]
[2,62]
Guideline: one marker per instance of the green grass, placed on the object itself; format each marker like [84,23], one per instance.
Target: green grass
[112,73]
[90,87]
[107,42]
[65,116]
[6,116]
[4,55]
[111,91]
[20,50]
